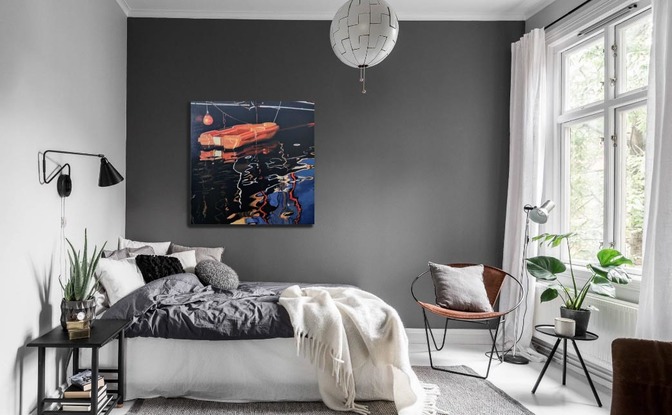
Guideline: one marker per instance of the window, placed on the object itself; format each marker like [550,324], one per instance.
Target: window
[601,124]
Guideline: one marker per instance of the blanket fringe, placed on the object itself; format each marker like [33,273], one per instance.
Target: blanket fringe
[311,347]
[432,393]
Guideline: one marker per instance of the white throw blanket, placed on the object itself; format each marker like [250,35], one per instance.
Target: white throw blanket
[342,328]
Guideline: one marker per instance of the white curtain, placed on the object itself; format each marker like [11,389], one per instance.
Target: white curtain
[655,304]
[526,159]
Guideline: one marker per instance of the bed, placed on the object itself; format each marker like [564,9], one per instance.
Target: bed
[191,340]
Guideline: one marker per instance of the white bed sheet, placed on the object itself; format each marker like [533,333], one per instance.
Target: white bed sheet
[227,371]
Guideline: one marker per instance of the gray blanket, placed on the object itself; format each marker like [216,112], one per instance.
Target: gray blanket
[181,307]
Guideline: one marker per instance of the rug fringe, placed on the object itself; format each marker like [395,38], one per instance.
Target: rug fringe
[432,393]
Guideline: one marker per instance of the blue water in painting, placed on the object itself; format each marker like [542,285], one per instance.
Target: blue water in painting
[267,182]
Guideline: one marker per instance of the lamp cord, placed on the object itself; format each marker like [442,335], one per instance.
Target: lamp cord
[63,268]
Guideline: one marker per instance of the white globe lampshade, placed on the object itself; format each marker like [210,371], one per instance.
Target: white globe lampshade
[364,32]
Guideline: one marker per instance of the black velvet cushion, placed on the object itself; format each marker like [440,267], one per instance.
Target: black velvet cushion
[154,267]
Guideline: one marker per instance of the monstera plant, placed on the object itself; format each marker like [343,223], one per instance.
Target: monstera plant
[607,272]
[603,275]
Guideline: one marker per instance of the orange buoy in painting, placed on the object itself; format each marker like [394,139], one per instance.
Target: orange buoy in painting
[239,135]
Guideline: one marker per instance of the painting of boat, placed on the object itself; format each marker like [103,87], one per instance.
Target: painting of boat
[252,163]
[239,135]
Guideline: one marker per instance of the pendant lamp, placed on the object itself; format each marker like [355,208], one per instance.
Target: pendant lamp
[363,33]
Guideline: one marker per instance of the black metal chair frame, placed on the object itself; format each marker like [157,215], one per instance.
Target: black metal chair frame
[485,321]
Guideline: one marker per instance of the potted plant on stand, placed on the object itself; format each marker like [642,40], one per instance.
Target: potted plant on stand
[78,303]
[609,271]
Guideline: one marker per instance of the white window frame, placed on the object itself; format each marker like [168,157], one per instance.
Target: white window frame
[561,38]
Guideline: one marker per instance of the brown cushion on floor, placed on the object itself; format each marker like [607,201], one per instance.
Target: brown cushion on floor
[642,377]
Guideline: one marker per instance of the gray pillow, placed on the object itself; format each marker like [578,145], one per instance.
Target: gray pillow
[460,289]
[217,274]
[124,253]
[202,253]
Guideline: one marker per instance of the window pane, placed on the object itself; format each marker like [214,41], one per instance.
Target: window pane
[633,123]
[586,186]
[584,74]
[634,55]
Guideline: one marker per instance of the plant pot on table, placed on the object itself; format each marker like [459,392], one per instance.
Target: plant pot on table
[84,310]
[582,317]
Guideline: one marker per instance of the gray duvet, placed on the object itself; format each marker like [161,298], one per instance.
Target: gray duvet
[181,307]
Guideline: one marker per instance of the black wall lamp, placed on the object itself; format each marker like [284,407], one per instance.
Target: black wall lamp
[108,175]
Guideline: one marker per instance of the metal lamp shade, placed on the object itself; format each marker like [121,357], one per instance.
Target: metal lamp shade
[364,32]
[540,214]
[108,174]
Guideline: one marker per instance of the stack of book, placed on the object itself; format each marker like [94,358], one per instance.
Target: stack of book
[77,397]
[78,329]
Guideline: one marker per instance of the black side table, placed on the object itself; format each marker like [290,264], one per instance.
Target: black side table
[102,332]
[550,330]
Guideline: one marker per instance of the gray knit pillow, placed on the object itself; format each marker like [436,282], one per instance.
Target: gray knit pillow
[217,274]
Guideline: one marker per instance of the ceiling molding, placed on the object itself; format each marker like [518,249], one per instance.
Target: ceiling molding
[124,7]
[407,10]
[532,7]
[256,15]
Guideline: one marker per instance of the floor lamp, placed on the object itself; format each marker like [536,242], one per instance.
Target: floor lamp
[537,215]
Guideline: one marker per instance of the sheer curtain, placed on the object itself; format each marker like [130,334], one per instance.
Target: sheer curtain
[526,159]
[655,305]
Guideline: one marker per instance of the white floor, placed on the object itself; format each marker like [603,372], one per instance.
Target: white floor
[551,397]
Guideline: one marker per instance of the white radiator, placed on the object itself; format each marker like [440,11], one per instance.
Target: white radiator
[615,319]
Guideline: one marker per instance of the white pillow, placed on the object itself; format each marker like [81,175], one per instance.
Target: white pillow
[160,248]
[120,277]
[187,259]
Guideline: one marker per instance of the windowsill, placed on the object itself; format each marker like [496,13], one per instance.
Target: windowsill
[628,292]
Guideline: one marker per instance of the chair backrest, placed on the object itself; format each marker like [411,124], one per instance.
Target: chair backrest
[642,377]
[493,279]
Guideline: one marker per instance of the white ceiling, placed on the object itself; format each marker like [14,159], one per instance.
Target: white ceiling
[326,9]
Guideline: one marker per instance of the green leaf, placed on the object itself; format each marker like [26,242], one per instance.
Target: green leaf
[618,276]
[545,267]
[550,293]
[607,290]
[610,257]
[538,237]
[599,270]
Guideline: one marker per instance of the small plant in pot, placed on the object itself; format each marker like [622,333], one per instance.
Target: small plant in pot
[78,303]
[603,276]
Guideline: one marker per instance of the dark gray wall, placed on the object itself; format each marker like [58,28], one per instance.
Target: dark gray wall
[415,170]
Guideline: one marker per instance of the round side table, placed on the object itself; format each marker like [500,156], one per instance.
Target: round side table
[548,329]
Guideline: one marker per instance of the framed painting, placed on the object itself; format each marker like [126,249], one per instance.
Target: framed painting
[252,163]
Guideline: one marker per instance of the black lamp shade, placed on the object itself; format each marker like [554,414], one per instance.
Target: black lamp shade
[108,174]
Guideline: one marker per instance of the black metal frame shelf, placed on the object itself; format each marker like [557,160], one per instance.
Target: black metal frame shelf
[102,332]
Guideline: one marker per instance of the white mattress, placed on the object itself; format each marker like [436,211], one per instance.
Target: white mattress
[228,371]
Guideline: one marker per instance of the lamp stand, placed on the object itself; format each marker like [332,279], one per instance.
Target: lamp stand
[515,358]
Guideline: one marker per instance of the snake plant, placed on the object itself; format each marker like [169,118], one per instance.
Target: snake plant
[82,282]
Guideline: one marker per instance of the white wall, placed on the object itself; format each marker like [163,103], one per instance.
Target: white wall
[551,12]
[62,86]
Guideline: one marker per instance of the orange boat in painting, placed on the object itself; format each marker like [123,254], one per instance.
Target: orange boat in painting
[239,135]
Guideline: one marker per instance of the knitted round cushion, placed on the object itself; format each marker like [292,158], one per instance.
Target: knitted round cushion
[217,274]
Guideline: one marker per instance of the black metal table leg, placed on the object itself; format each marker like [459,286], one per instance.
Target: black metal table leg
[94,380]
[590,381]
[564,361]
[75,360]
[548,362]
[121,370]
[40,380]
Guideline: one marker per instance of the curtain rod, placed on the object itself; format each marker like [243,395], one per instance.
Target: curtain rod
[608,19]
[566,14]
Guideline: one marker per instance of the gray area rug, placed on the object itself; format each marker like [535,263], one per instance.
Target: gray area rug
[460,395]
